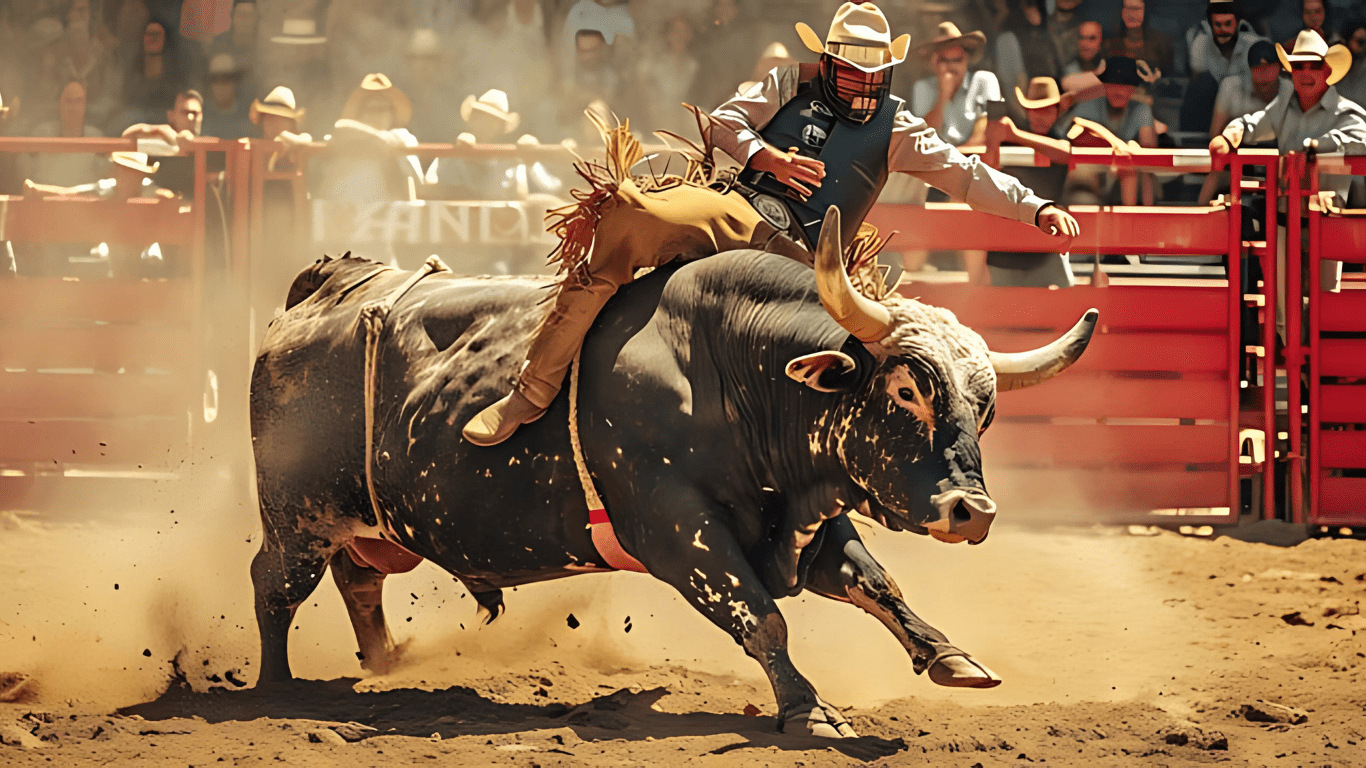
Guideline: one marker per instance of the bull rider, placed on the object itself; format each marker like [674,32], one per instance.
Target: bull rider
[809,136]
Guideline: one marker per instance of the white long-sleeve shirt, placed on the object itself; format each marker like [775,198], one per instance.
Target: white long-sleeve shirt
[1338,124]
[915,149]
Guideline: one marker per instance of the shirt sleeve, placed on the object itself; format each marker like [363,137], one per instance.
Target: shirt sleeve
[985,88]
[1223,102]
[917,150]
[1256,128]
[1349,129]
[749,111]
[1199,54]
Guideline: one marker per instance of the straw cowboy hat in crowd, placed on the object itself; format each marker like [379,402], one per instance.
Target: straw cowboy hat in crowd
[224,65]
[280,101]
[494,103]
[1043,93]
[135,160]
[860,37]
[948,35]
[1309,46]
[377,84]
[299,32]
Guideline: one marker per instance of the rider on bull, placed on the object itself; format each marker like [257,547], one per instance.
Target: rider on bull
[810,136]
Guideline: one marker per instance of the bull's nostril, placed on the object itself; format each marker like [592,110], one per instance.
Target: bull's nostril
[961,513]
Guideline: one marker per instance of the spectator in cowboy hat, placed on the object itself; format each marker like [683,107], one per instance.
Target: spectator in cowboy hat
[1239,95]
[296,58]
[1310,117]
[954,101]
[1043,105]
[278,118]
[489,121]
[1025,50]
[363,164]
[1123,118]
[226,112]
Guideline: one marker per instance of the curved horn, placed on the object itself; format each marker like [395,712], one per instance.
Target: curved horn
[866,319]
[1017,370]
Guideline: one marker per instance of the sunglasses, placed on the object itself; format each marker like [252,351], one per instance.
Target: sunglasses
[1306,66]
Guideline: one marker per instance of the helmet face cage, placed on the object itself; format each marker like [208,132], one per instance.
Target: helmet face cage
[854,95]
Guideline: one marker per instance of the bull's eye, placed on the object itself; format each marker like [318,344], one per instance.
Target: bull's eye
[906,394]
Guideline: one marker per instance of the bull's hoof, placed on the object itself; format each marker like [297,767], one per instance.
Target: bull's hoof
[962,671]
[822,720]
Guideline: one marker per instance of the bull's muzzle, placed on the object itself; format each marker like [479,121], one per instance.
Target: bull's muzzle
[964,515]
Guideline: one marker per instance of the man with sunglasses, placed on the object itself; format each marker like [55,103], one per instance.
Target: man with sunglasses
[815,135]
[1310,117]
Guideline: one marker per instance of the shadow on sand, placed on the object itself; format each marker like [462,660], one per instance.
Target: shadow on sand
[462,712]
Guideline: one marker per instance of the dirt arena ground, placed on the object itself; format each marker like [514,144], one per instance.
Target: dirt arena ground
[135,632]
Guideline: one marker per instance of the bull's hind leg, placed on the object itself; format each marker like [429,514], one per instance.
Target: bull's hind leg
[284,573]
[844,570]
[362,589]
[707,566]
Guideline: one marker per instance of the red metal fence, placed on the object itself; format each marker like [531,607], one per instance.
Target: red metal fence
[107,373]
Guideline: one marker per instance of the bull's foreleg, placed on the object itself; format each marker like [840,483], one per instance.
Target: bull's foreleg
[362,589]
[844,570]
[701,559]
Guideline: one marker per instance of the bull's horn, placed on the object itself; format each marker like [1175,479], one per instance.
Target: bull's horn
[1017,370]
[866,319]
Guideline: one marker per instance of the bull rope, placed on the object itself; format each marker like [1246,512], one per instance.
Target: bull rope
[599,524]
[373,316]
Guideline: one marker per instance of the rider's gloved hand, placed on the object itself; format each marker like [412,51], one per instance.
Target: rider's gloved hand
[799,173]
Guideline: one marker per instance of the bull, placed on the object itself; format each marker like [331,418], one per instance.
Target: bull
[732,410]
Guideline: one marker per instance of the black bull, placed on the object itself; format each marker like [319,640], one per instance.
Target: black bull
[725,477]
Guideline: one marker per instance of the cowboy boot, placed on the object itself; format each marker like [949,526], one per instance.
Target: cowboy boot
[497,422]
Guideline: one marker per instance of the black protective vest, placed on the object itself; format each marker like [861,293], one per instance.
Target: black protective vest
[855,158]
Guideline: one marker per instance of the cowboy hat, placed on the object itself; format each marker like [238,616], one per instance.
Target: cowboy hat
[1043,93]
[949,35]
[224,65]
[1119,70]
[135,160]
[280,101]
[299,32]
[378,84]
[1309,46]
[424,42]
[494,103]
[859,36]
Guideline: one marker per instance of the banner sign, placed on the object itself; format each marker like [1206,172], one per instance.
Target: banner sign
[435,222]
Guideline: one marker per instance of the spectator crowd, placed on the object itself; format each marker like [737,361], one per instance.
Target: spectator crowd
[381,74]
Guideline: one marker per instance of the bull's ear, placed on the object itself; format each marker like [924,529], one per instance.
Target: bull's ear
[824,371]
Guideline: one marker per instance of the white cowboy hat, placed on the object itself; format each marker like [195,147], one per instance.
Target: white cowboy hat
[135,160]
[224,65]
[494,102]
[299,32]
[280,101]
[949,34]
[1043,93]
[1309,46]
[859,36]
[424,42]
[377,83]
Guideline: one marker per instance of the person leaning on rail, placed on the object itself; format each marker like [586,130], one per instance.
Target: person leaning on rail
[1310,117]
[810,136]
